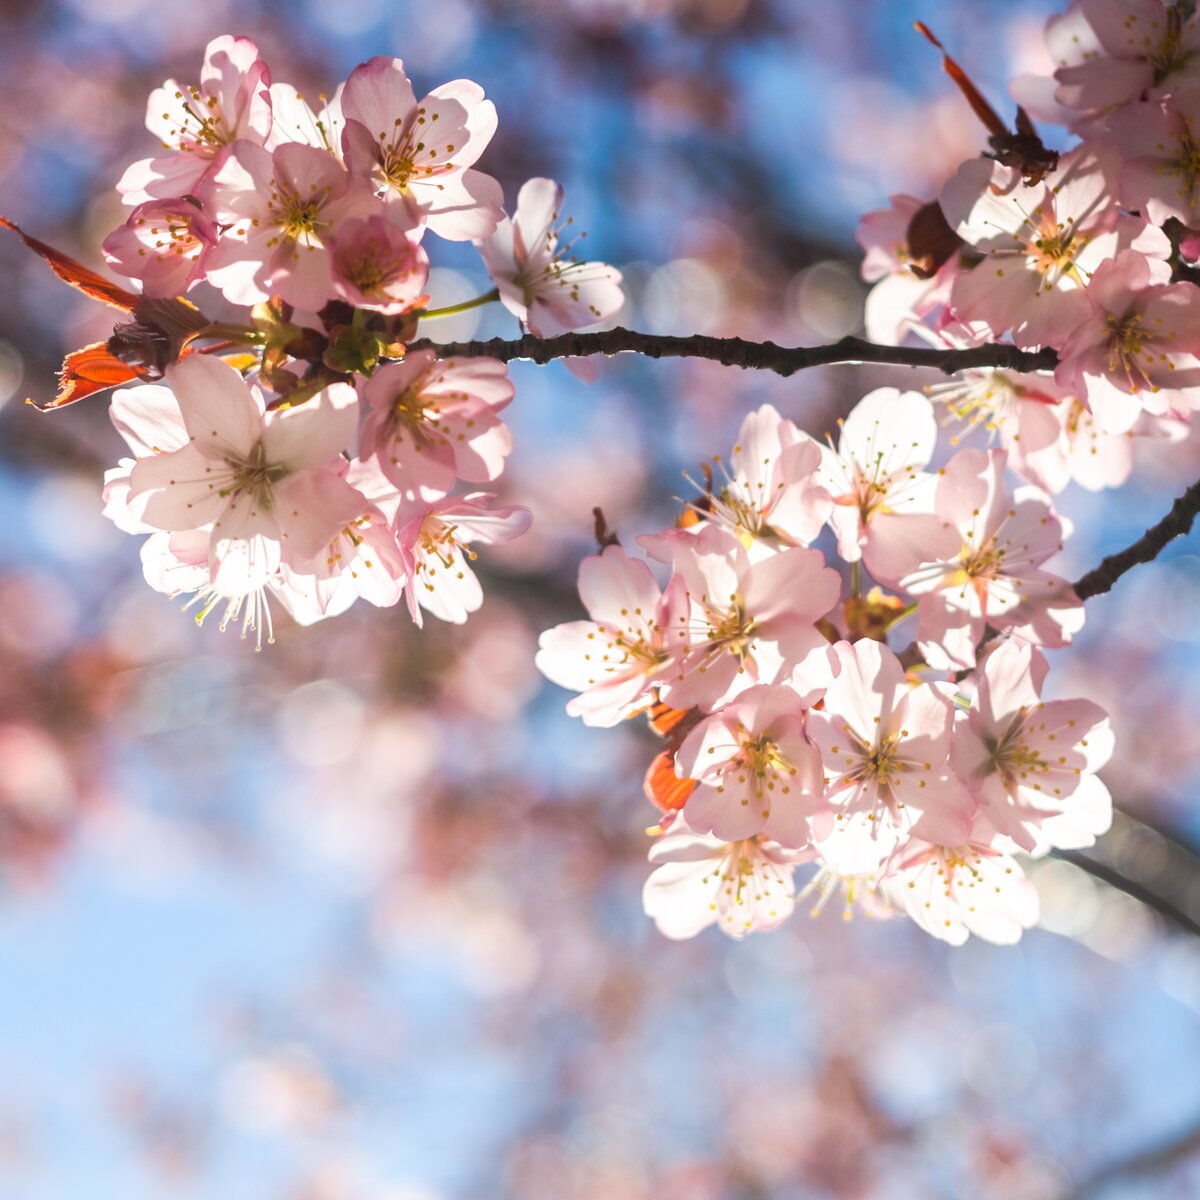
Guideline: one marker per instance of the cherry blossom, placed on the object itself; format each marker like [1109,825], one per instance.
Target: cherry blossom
[377,265]
[1161,171]
[770,497]
[1031,762]
[262,479]
[539,282]
[196,123]
[436,541]
[885,749]
[618,657]
[905,288]
[756,771]
[995,578]
[746,623]
[294,120]
[281,208]
[1144,46]
[1041,243]
[433,421]
[162,243]
[953,891]
[882,499]
[739,886]
[418,156]
[1138,348]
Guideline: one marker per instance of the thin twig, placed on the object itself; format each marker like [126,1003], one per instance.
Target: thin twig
[1176,523]
[737,352]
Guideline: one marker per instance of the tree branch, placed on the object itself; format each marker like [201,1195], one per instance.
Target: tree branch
[1145,1162]
[1176,523]
[737,352]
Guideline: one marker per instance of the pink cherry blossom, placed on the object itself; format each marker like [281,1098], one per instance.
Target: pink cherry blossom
[1144,46]
[953,891]
[195,124]
[1161,144]
[1031,762]
[900,297]
[539,281]
[1138,348]
[756,770]
[882,499]
[625,651]
[263,480]
[363,559]
[294,120]
[700,880]
[1040,243]
[162,244]
[746,623]
[1022,410]
[885,749]
[282,207]
[433,421]
[377,265]
[770,497]
[417,155]
[436,541]
[1070,40]
[995,578]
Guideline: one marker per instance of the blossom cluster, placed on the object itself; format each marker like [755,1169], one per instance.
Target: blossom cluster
[309,455]
[1089,251]
[909,776]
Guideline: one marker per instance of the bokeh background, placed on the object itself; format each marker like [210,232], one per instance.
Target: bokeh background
[358,917]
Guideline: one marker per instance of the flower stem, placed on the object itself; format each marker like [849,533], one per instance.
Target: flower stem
[463,306]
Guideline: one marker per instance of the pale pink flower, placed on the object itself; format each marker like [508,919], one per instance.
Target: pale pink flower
[995,578]
[882,499]
[899,298]
[1024,410]
[623,653]
[363,559]
[177,564]
[377,265]
[740,886]
[1139,347]
[1145,46]
[1041,242]
[1070,40]
[417,155]
[885,749]
[437,539]
[1082,452]
[1161,144]
[147,416]
[539,281]
[770,497]
[196,123]
[265,481]
[756,771]
[281,208]
[953,891]
[293,119]
[746,623]
[162,244]
[433,421]
[1031,762]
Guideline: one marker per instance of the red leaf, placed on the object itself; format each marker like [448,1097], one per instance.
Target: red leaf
[87,371]
[76,274]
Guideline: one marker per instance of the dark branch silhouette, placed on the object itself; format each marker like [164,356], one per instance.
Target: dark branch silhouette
[737,352]
[1176,523]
